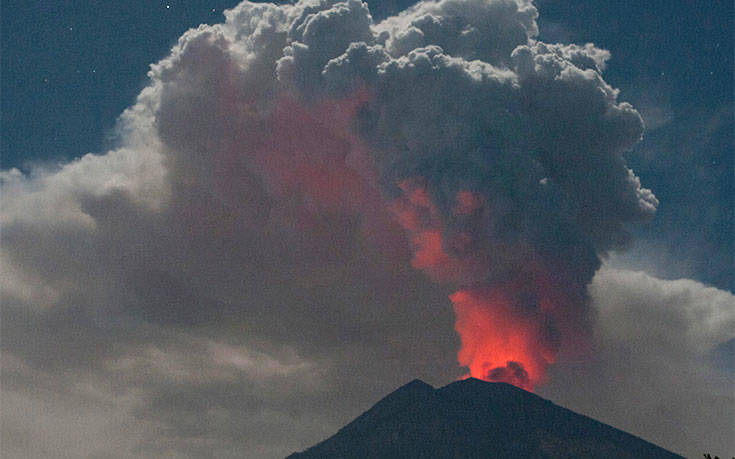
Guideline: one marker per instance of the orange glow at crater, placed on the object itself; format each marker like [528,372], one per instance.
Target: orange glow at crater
[499,343]
[511,330]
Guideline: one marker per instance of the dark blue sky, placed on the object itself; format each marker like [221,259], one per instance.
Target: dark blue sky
[674,61]
[69,68]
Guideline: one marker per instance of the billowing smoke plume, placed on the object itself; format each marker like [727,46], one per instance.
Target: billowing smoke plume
[500,156]
[496,156]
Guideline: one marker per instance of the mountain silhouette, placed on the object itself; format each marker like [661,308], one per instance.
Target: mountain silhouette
[477,419]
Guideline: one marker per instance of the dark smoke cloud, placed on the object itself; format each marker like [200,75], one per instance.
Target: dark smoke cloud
[296,194]
[542,155]
[512,371]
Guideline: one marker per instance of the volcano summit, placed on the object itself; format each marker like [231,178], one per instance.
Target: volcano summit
[473,418]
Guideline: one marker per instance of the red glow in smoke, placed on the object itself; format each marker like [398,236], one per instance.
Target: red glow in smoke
[509,331]
[419,216]
[498,342]
[310,152]
[468,202]
[310,161]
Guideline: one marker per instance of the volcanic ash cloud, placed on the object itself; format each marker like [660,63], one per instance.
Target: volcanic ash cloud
[304,131]
[500,156]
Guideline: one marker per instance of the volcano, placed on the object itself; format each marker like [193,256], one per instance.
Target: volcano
[477,419]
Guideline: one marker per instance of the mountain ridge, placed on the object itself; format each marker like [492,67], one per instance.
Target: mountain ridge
[473,418]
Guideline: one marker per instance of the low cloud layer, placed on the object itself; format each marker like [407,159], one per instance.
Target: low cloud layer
[295,195]
[658,368]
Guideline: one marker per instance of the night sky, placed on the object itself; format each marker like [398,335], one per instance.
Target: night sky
[165,306]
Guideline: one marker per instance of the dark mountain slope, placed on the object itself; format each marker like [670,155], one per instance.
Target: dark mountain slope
[476,419]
